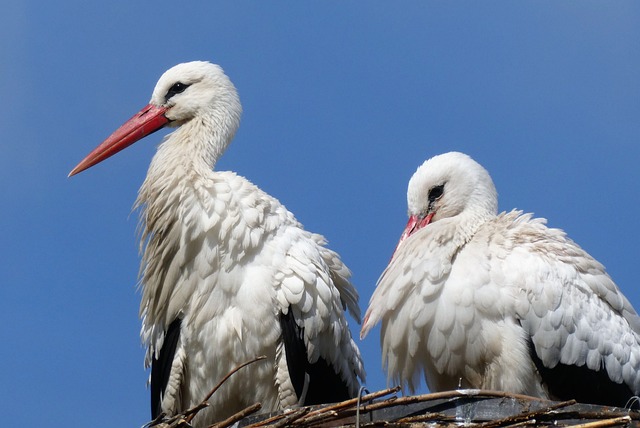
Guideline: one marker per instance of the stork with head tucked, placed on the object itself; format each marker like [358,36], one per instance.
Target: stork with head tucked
[476,299]
[228,273]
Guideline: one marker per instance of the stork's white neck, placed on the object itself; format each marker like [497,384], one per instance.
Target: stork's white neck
[196,145]
[468,223]
[189,153]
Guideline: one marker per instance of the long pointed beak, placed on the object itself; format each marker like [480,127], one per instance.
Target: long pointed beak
[147,121]
[414,224]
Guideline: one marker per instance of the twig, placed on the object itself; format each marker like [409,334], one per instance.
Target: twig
[347,407]
[224,379]
[156,421]
[458,393]
[177,420]
[425,418]
[525,416]
[280,418]
[353,401]
[324,412]
[190,413]
[291,417]
[237,416]
[624,421]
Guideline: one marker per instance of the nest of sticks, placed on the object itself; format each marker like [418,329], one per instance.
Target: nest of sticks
[467,408]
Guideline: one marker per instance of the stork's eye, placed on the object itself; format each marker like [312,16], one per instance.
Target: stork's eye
[436,192]
[177,88]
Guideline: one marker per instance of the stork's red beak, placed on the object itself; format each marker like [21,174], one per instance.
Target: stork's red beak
[414,224]
[145,122]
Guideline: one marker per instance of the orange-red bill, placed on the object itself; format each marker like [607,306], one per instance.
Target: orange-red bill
[414,224]
[147,121]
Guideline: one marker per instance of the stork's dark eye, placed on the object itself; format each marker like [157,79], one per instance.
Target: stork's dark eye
[436,192]
[177,88]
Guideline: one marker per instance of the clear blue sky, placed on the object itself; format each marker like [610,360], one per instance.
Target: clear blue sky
[342,101]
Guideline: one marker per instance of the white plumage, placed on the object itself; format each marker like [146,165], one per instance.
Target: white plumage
[228,273]
[476,299]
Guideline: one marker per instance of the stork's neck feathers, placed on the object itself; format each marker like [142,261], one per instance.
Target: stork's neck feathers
[199,142]
[188,155]
[446,237]
[482,207]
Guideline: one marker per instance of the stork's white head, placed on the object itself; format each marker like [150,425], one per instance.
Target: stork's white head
[448,185]
[189,91]
[195,88]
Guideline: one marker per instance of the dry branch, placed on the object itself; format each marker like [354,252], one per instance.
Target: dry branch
[469,408]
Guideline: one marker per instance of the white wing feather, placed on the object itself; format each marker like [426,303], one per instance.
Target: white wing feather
[573,311]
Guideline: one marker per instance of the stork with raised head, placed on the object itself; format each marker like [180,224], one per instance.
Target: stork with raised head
[228,273]
[476,299]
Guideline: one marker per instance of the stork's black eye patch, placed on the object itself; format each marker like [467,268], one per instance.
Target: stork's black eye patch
[177,88]
[436,192]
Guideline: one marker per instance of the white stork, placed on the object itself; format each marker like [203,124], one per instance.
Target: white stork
[227,272]
[476,299]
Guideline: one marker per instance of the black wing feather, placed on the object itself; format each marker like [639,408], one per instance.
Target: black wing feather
[161,367]
[566,382]
[325,385]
